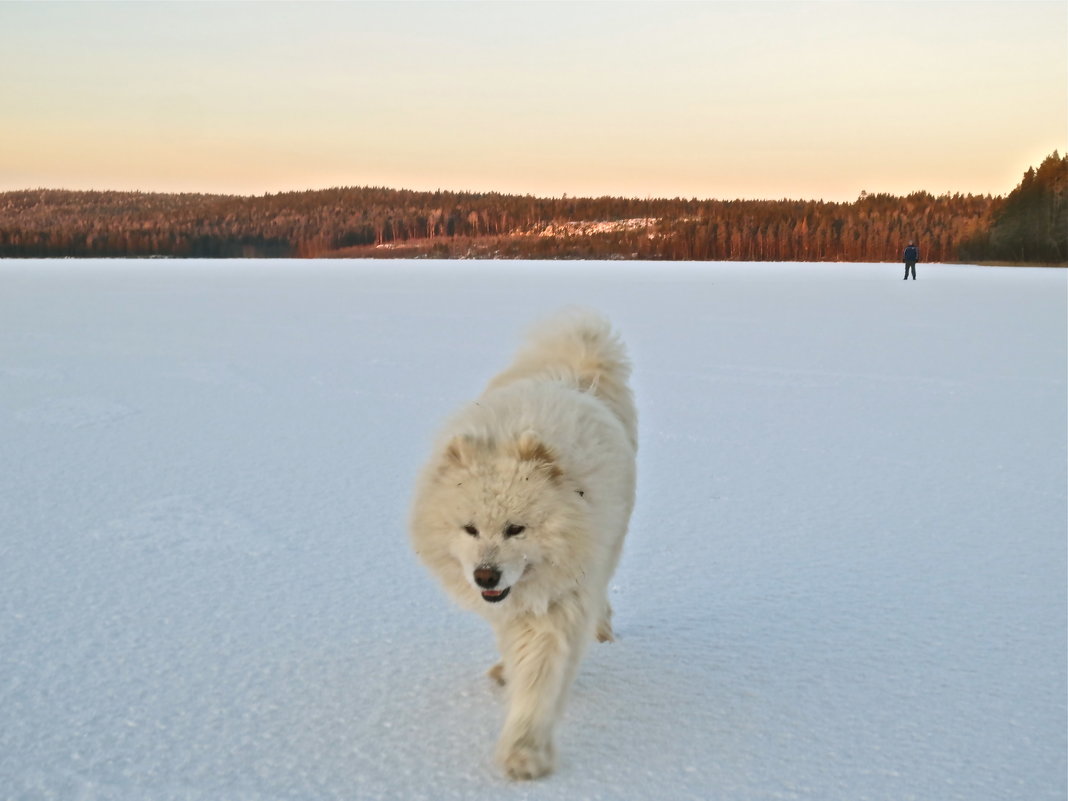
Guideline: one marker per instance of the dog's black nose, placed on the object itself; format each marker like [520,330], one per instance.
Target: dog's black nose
[487,577]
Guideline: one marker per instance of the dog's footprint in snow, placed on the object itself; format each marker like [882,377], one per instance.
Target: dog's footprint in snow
[75,412]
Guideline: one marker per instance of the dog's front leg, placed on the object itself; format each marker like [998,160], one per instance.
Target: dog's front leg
[542,655]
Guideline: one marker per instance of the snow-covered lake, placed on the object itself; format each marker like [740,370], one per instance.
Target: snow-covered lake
[845,579]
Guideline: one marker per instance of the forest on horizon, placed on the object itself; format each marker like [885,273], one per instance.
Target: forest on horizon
[1029,226]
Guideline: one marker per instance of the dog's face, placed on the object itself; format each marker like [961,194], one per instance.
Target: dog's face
[503,515]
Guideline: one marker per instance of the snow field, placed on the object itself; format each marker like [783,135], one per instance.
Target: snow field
[845,577]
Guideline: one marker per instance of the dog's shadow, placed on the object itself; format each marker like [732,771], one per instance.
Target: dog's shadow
[651,706]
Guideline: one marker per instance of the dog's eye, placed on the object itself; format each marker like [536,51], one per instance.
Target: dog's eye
[513,530]
[471,530]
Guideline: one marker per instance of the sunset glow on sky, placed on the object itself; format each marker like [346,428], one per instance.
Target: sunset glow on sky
[695,99]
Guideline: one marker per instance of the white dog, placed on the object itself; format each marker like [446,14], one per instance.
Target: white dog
[521,513]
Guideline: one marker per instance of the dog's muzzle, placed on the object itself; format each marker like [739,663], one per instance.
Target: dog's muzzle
[488,578]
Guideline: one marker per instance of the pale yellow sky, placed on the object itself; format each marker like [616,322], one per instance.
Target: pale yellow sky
[703,99]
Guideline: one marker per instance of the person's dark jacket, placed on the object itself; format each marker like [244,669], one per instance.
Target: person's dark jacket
[912,255]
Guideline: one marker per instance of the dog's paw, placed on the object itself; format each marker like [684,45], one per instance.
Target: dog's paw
[605,633]
[604,627]
[526,761]
[497,673]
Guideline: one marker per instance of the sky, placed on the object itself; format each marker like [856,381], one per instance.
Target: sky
[759,99]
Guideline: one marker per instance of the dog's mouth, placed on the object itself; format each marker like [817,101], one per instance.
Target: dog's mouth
[495,596]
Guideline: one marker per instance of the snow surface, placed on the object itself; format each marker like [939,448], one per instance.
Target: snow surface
[845,578]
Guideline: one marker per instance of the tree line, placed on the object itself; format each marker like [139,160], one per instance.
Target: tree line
[1031,224]
[1028,225]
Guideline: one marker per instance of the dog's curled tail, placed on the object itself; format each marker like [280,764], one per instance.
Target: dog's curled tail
[579,347]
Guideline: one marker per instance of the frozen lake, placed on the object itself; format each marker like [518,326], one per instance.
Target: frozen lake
[845,578]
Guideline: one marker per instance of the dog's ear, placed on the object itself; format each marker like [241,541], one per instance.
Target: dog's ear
[463,451]
[459,451]
[531,449]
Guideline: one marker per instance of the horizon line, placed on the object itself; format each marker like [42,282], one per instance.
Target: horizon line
[861,194]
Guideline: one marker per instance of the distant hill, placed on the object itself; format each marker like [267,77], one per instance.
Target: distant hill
[1028,225]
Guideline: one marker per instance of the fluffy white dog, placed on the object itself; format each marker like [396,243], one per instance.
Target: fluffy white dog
[521,513]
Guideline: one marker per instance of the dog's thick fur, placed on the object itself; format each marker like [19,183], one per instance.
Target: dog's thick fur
[521,513]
